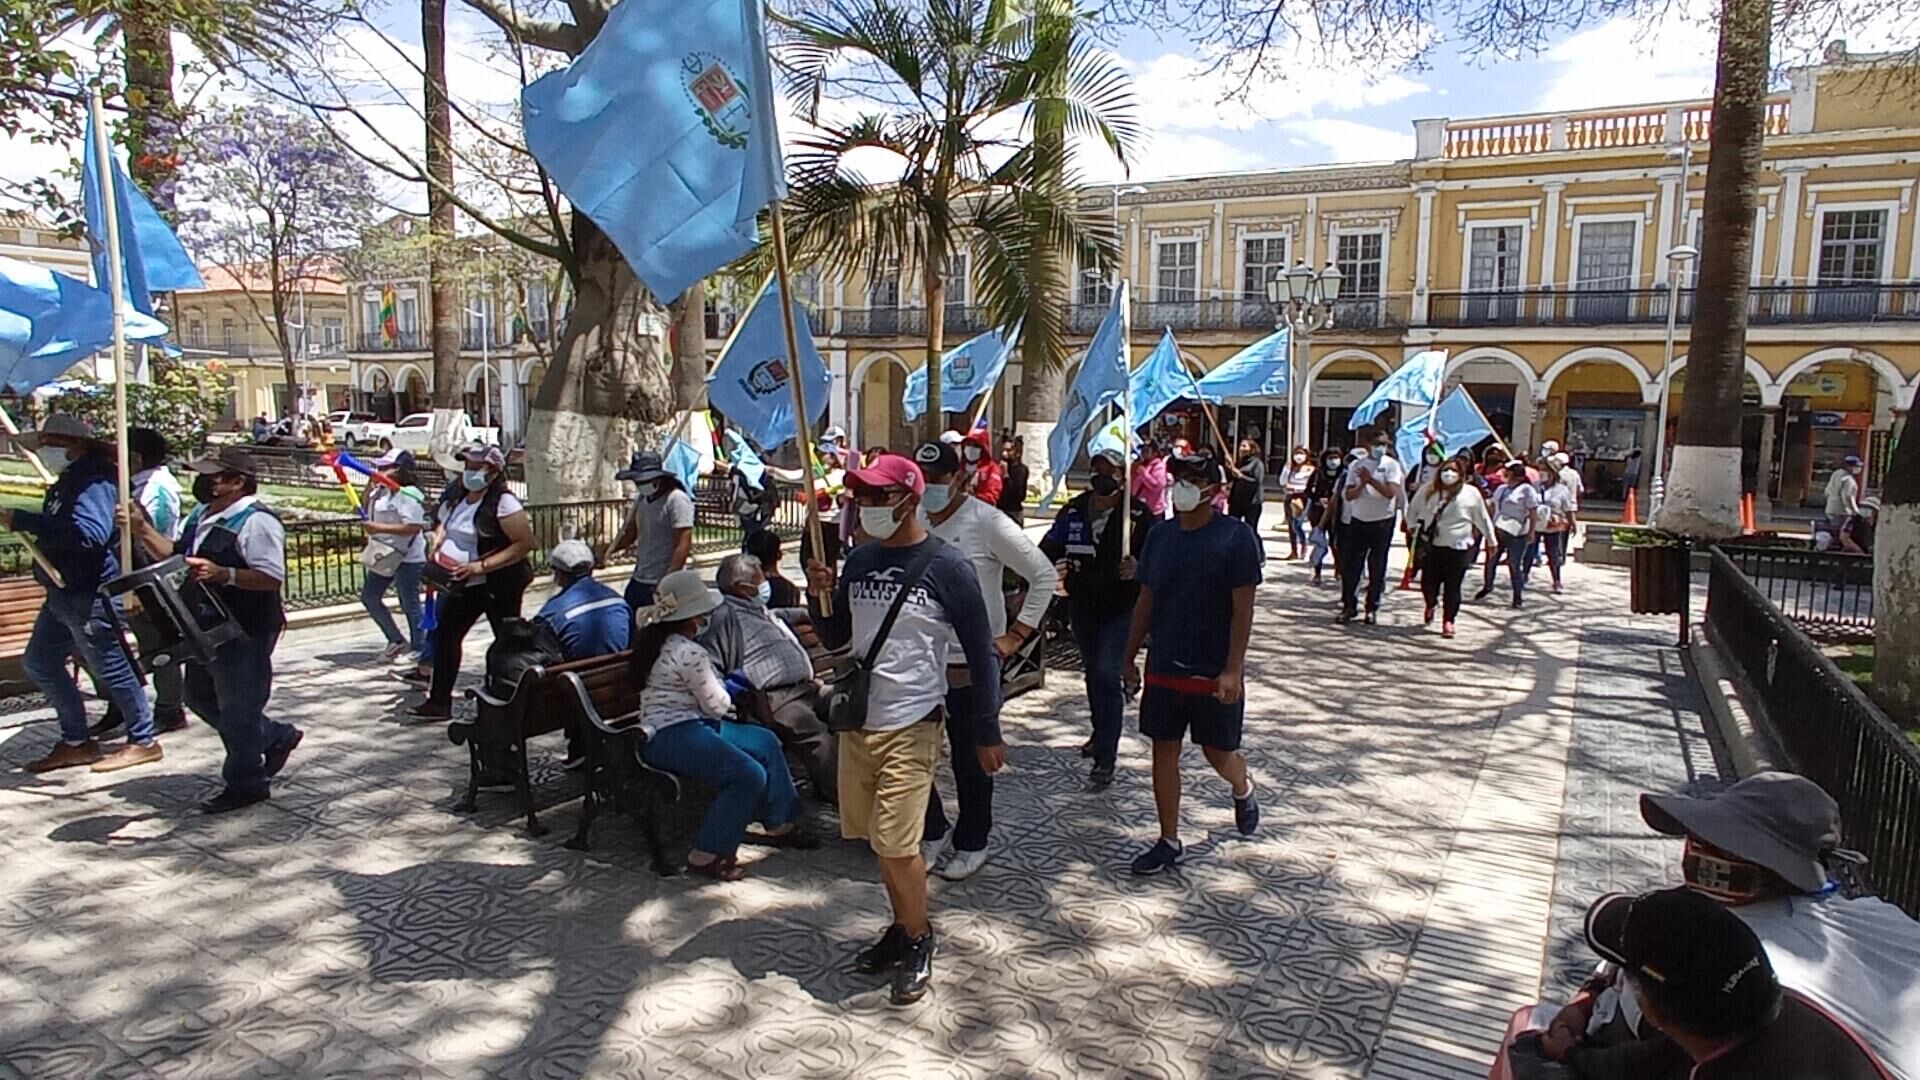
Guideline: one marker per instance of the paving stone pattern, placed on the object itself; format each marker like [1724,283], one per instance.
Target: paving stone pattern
[357,927]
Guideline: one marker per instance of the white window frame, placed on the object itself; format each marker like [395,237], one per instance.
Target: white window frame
[1466,250]
[1581,221]
[1335,231]
[1198,291]
[1891,207]
[966,278]
[1240,256]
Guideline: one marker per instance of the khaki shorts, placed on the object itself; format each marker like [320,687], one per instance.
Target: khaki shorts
[885,778]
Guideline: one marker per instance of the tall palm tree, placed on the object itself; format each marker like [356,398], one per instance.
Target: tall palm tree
[968,87]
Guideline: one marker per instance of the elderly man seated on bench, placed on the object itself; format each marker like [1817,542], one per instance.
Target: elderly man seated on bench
[589,618]
[770,672]
[1760,850]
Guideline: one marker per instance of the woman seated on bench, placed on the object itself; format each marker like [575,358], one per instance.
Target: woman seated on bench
[683,710]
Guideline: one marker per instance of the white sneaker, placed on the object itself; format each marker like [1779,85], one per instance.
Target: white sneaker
[964,864]
[932,850]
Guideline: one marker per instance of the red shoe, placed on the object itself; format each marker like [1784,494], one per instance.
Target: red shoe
[1446,629]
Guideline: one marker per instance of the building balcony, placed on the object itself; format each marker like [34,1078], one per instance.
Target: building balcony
[1766,305]
[404,341]
[1600,129]
[1253,316]
[961,319]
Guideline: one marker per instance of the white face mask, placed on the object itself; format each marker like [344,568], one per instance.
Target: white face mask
[55,458]
[972,452]
[1299,459]
[1186,495]
[1449,476]
[878,521]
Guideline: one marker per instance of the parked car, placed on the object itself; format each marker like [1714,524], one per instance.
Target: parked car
[356,429]
[411,433]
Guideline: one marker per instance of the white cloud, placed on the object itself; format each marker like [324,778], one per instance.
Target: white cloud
[1350,140]
[1623,62]
[1172,154]
[1184,92]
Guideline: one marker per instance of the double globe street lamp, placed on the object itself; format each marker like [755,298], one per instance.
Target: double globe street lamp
[1303,304]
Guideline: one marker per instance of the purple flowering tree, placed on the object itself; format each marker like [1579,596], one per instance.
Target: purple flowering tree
[273,200]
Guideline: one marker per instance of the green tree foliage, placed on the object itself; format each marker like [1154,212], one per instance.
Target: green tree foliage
[183,402]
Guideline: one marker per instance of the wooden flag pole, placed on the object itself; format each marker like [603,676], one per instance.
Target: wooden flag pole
[801,427]
[1213,421]
[103,152]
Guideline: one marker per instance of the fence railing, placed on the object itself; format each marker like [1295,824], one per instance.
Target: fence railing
[1828,729]
[1828,594]
[323,557]
[1867,302]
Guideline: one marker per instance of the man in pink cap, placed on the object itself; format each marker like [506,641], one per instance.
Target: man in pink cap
[901,599]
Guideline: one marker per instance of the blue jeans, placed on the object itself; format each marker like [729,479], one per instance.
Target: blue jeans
[1296,528]
[75,623]
[742,763]
[230,694]
[1556,551]
[405,583]
[1517,550]
[1103,647]
[973,785]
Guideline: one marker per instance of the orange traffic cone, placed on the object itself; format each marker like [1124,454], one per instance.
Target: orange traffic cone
[1406,579]
[1746,513]
[1632,516]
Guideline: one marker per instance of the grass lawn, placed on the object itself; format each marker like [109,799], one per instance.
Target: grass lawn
[1856,661]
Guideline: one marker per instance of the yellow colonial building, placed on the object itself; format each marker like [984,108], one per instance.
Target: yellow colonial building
[1534,249]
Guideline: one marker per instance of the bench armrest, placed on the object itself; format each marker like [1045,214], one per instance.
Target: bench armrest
[618,725]
[485,698]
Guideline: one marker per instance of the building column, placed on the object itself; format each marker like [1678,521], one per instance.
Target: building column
[1423,255]
[1763,497]
[1789,223]
[839,396]
[1550,235]
[509,400]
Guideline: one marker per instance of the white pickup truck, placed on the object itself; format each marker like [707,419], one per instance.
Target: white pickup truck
[411,434]
[356,429]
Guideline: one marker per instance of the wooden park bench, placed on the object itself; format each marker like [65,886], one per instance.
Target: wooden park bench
[21,599]
[542,703]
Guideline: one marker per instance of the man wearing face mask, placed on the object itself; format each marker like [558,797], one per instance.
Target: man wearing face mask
[993,544]
[238,548]
[1085,542]
[76,532]
[1370,502]
[659,528]
[1196,601]
[984,478]
[589,618]
[887,766]
[1013,491]
[769,671]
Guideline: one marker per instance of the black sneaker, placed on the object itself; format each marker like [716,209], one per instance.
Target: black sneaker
[884,954]
[165,723]
[1163,855]
[1483,593]
[107,724]
[915,973]
[277,757]
[1246,813]
[230,800]
[1344,617]
[1372,617]
[1086,748]
[1101,778]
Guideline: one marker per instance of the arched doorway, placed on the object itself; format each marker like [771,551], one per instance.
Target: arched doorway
[1336,384]
[1833,403]
[376,394]
[1599,404]
[412,395]
[881,380]
[1759,424]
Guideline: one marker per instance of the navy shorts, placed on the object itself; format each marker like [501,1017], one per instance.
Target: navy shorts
[1169,714]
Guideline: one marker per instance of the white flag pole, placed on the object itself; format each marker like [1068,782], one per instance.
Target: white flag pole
[1126,412]
[103,152]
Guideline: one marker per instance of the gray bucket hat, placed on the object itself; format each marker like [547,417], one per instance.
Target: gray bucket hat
[64,424]
[680,595]
[1779,820]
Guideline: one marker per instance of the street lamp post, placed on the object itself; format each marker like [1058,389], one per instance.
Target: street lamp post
[485,314]
[1303,305]
[1677,257]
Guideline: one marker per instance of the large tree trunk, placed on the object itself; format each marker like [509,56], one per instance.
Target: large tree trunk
[935,418]
[1896,582]
[689,316]
[606,378]
[1043,339]
[153,123]
[443,288]
[1703,485]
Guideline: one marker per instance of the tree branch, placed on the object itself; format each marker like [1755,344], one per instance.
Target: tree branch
[541,33]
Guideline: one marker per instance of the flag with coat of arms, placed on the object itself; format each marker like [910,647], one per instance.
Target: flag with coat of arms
[749,382]
[965,373]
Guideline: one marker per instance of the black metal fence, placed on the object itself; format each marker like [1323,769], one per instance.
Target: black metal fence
[1870,302]
[1828,594]
[323,557]
[1828,729]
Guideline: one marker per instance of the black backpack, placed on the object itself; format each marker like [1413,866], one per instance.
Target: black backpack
[519,645]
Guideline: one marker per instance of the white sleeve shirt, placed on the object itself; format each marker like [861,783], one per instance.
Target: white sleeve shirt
[261,539]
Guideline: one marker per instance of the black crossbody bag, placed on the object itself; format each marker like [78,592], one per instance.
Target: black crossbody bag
[852,681]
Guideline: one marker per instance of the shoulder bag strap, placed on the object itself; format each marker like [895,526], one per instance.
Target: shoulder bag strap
[914,573]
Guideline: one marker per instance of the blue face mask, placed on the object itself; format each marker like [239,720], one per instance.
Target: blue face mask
[765,593]
[474,479]
[937,498]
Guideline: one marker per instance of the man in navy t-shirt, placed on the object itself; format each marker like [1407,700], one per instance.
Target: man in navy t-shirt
[1205,564]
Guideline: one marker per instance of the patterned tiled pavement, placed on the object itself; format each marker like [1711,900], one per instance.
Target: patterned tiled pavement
[357,927]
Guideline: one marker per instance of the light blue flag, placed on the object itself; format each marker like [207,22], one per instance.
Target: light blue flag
[749,383]
[1456,424]
[152,260]
[966,373]
[663,133]
[1102,379]
[1259,370]
[740,453]
[49,322]
[1113,436]
[1159,381]
[1416,382]
[683,461]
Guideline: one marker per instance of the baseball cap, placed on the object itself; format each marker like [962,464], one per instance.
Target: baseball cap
[937,459]
[573,556]
[1779,820]
[1515,463]
[642,467]
[393,457]
[1112,455]
[889,471]
[58,424]
[1561,458]
[1204,471]
[832,433]
[951,437]
[479,453]
[225,459]
[1851,459]
[1703,961]
[1549,448]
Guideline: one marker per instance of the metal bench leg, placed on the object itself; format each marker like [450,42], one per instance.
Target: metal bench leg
[650,830]
[589,806]
[523,786]
[472,802]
